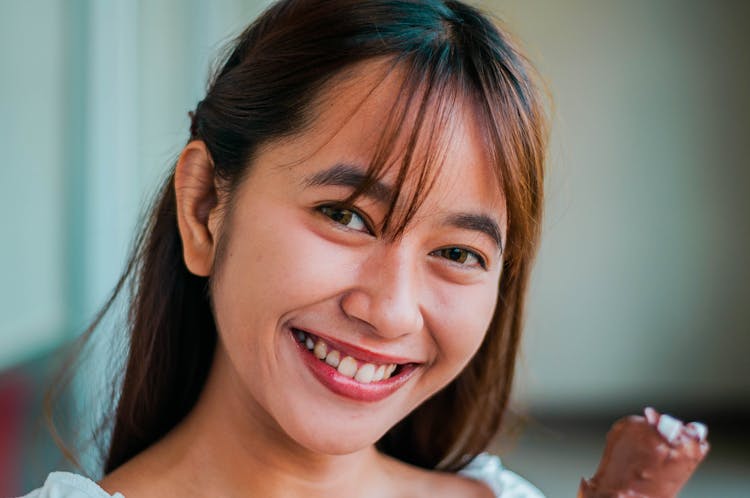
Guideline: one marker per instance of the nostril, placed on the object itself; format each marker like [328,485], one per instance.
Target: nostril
[386,300]
[355,304]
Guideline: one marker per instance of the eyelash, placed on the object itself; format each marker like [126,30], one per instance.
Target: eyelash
[465,253]
[330,210]
[333,212]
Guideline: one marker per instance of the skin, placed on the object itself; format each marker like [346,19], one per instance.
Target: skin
[264,426]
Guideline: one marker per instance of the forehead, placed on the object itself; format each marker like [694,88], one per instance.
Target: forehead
[354,111]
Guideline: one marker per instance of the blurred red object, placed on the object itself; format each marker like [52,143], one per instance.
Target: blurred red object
[15,395]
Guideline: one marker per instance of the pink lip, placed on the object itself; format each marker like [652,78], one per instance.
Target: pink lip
[359,353]
[350,388]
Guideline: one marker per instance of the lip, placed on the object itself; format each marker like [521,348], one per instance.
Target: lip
[348,387]
[357,352]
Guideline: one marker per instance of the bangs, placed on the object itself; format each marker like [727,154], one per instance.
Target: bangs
[419,131]
[435,86]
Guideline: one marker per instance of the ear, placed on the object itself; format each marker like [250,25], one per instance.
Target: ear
[197,201]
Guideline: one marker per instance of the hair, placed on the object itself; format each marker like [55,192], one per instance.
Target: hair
[267,89]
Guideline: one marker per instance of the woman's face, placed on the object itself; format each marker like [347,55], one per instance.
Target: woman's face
[315,308]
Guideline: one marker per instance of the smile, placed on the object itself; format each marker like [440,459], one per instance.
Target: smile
[361,371]
[351,375]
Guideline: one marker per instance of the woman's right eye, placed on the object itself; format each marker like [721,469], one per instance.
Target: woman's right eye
[346,217]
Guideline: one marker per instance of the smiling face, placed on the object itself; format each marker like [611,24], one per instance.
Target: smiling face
[329,330]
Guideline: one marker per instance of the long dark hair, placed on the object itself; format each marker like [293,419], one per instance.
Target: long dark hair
[267,89]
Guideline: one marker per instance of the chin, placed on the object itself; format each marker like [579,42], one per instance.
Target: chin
[326,429]
[341,439]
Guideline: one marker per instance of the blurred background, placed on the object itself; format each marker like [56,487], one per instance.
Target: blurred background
[641,294]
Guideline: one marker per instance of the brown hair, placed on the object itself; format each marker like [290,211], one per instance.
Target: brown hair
[266,89]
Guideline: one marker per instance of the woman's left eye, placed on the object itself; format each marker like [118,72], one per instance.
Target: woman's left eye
[461,256]
[346,217]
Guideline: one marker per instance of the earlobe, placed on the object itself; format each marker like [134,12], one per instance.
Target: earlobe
[196,198]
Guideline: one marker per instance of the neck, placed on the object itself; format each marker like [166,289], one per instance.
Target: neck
[229,446]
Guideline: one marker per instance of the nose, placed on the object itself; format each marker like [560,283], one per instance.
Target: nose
[386,295]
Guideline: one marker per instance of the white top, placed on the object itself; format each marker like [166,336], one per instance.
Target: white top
[485,467]
[504,483]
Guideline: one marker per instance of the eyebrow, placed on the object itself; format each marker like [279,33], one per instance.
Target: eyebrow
[478,223]
[348,175]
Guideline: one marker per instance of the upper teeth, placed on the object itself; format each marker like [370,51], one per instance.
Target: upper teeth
[346,365]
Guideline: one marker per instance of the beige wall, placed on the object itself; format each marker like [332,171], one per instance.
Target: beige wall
[642,290]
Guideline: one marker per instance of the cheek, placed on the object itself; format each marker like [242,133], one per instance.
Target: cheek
[272,268]
[461,322]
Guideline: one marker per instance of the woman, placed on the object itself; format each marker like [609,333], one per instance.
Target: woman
[329,291]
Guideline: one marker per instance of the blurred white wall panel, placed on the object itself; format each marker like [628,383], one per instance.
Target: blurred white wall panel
[32,311]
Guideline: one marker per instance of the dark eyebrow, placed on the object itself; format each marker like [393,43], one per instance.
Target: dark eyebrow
[347,175]
[478,223]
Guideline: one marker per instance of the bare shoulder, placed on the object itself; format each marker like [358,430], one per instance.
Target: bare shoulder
[130,480]
[144,476]
[416,482]
[454,485]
